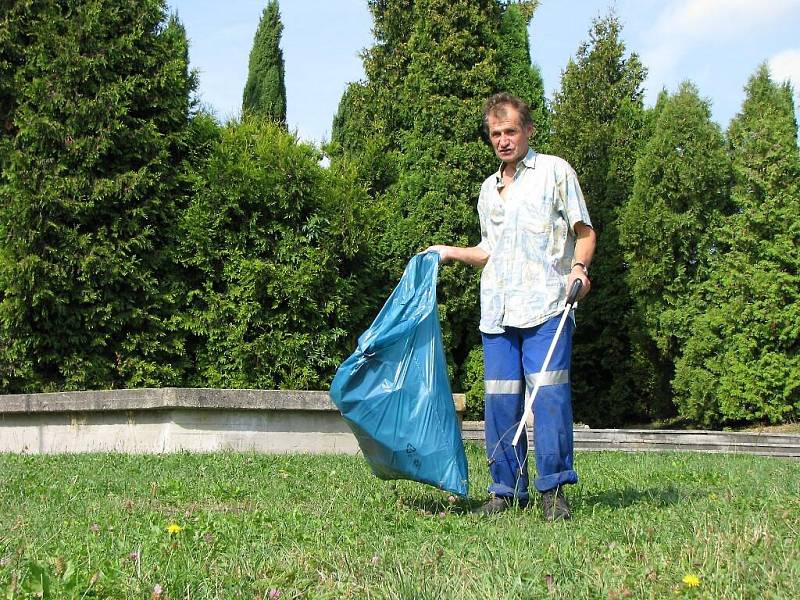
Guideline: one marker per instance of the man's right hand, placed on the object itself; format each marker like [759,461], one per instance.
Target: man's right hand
[473,256]
[446,253]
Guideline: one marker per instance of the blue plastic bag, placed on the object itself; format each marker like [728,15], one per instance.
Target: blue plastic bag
[394,391]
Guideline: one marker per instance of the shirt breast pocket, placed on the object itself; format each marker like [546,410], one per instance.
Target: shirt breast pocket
[535,237]
[534,224]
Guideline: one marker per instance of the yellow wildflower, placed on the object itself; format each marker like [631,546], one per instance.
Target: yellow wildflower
[174,528]
[691,580]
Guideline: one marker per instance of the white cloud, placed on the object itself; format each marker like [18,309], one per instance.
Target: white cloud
[696,20]
[786,65]
[685,26]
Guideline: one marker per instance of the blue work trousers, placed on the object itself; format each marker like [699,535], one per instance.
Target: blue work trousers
[512,361]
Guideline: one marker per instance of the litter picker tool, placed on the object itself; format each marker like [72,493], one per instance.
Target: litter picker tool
[528,414]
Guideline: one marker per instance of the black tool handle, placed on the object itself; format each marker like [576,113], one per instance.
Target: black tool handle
[574,290]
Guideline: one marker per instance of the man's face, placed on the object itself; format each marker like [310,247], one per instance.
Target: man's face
[509,138]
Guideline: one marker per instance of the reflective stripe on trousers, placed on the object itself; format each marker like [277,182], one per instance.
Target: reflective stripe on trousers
[511,360]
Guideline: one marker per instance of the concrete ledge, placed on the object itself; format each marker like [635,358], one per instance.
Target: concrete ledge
[154,420]
[633,440]
[165,398]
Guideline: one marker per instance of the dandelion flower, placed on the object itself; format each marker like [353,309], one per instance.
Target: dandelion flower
[691,580]
[174,528]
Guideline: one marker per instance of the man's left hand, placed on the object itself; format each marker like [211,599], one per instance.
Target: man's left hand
[578,273]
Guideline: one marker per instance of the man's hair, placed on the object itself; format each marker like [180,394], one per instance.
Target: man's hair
[498,104]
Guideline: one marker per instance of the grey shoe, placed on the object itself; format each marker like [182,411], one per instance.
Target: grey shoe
[555,506]
[498,504]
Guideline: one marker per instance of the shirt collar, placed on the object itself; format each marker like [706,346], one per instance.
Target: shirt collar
[529,161]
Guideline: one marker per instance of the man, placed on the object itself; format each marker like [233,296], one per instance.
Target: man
[536,240]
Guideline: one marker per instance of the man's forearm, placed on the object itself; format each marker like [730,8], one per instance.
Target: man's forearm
[584,251]
[473,256]
[584,244]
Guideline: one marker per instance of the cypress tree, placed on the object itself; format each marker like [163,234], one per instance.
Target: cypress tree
[680,194]
[347,129]
[741,361]
[93,139]
[265,90]
[11,43]
[598,127]
[358,138]
[521,77]
[762,141]
[433,64]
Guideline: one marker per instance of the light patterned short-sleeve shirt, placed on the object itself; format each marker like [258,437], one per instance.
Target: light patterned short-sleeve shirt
[530,239]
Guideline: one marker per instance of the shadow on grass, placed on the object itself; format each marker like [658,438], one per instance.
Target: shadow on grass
[433,505]
[661,497]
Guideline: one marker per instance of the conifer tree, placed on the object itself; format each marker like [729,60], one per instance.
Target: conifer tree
[598,123]
[11,41]
[432,66]
[523,78]
[93,137]
[741,361]
[763,142]
[359,139]
[680,194]
[265,90]
[274,240]
[347,129]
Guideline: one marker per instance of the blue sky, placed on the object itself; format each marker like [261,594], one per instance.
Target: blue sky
[716,43]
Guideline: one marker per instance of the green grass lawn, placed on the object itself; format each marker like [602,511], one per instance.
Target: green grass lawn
[258,526]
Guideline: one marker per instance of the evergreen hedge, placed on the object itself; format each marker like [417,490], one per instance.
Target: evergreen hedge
[274,241]
[95,101]
[143,244]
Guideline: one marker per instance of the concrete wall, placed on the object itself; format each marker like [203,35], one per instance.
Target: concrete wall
[207,420]
[175,419]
